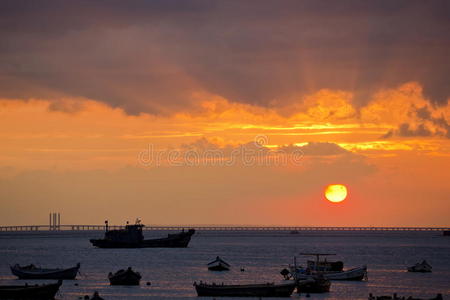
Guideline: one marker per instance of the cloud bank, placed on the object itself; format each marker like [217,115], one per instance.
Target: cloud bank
[153,56]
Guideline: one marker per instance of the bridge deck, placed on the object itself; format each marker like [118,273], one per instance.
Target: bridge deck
[217,228]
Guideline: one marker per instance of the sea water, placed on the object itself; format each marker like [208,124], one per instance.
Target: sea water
[262,255]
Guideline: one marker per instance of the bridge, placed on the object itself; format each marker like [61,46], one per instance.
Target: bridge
[293,229]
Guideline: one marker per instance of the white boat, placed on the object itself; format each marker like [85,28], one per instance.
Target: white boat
[422,267]
[300,273]
[218,265]
[352,274]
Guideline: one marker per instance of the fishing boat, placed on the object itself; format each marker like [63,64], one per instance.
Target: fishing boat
[29,292]
[124,277]
[355,274]
[218,265]
[325,265]
[422,267]
[33,272]
[326,269]
[245,290]
[132,237]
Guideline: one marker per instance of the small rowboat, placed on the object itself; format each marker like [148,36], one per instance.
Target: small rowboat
[218,265]
[124,277]
[29,292]
[317,284]
[33,272]
[422,267]
[246,290]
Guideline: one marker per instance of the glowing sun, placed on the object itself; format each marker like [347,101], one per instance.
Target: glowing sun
[336,192]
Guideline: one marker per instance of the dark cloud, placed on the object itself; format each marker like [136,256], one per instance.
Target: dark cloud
[388,134]
[311,148]
[443,127]
[67,106]
[152,55]
[423,114]
[406,130]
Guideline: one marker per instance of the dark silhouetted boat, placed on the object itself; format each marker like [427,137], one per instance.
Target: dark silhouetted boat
[96,296]
[33,272]
[29,292]
[316,284]
[218,265]
[132,237]
[422,267]
[245,290]
[324,265]
[124,277]
[313,284]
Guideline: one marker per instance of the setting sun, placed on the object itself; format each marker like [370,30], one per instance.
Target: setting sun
[336,192]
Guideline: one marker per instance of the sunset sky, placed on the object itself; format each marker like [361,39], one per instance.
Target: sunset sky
[225,112]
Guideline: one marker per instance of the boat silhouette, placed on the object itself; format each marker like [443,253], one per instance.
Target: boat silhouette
[132,237]
[33,272]
[29,292]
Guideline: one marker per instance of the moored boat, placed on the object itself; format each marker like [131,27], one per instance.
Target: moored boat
[33,272]
[316,284]
[329,270]
[323,265]
[245,290]
[132,237]
[355,274]
[124,277]
[96,296]
[313,284]
[422,267]
[218,265]
[29,292]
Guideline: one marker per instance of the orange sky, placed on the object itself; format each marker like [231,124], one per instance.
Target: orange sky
[90,161]
[225,112]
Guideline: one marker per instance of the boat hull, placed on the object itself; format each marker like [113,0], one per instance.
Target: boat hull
[313,286]
[66,274]
[251,290]
[219,267]
[126,278]
[422,267]
[418,270]
[180,240]
[25,292]
[356,274]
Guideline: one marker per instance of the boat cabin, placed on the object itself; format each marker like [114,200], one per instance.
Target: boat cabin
[131,234]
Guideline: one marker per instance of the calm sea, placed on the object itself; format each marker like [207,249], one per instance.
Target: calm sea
[262,255]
